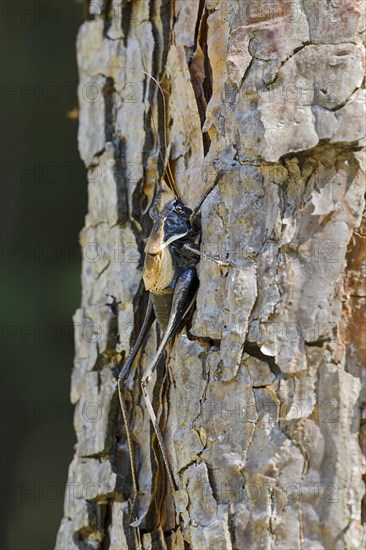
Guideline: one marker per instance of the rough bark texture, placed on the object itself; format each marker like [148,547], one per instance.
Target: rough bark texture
[262,398]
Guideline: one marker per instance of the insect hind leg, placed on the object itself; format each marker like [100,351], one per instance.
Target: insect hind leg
[122,377]
[182,297]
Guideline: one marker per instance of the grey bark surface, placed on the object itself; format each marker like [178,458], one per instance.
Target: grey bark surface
[262,393]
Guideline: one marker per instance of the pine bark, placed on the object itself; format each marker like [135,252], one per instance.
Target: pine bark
[260,397]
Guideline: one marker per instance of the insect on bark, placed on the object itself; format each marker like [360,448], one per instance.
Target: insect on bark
[169,275]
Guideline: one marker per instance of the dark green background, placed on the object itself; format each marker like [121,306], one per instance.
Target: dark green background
[43,188]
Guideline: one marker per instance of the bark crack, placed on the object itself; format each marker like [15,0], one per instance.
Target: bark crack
[291,54]
[204,392]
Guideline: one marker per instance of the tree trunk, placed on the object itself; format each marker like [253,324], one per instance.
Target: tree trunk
[261,392]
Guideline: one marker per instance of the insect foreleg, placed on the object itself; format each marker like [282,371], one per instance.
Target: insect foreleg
[182,299]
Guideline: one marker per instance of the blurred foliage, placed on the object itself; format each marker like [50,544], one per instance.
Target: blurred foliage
[43,188]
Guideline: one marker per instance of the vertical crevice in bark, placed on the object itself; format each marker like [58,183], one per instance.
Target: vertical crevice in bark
[200,70]
[108,7]
[109,102]
[120,174]
[127,12]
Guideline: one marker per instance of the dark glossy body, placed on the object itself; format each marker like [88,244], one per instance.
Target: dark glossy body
[166,260]
[169,275]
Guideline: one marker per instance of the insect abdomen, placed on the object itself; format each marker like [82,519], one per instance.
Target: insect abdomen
[162,304]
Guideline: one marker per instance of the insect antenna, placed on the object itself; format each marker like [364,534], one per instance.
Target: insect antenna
[205,195]
[164,158]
